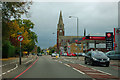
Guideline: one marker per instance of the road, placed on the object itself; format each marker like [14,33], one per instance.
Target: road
[48,67]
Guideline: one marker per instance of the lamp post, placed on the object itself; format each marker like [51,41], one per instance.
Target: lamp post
[77,29]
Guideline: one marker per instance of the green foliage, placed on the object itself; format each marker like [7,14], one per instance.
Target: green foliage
[8,50]
[38,49]
[52,51]
[14,9]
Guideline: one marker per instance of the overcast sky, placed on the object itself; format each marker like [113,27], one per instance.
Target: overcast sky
[96,17]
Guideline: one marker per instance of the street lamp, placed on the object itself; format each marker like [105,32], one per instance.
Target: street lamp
[77,28]
[77,23]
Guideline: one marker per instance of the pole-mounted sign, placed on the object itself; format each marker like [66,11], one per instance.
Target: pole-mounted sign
[20,38]
[109,41]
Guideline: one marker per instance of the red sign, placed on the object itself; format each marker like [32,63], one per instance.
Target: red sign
[108,35]
[20,38]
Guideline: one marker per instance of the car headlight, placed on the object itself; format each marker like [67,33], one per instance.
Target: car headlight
[94,59]
[108,59]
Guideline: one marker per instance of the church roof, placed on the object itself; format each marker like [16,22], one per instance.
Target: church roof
[60,18]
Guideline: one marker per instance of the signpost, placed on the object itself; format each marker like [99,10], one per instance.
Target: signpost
[109,41]
[20,38]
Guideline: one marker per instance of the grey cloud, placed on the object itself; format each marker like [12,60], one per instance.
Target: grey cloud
[95,17]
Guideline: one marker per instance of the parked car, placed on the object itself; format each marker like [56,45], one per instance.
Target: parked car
[79,54]
[69,54]
[53,55]
[73,54]
[97,57]
[64,54]
[83,54]
[113,55]
[39,54]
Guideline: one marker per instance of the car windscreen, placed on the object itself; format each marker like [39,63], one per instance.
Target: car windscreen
[117,52]
[97,54]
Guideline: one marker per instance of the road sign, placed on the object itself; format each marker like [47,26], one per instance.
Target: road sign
[20,38]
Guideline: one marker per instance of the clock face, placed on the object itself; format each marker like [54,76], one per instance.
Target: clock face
[60,30]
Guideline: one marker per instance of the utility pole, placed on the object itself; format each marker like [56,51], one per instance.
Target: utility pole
[20,38]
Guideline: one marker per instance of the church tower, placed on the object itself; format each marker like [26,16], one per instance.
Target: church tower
[60,29]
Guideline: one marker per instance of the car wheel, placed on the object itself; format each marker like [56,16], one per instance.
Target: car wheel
[91,63]
[85,62]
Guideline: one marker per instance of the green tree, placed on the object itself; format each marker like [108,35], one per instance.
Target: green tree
[14,9]
[38,49]
[11,10]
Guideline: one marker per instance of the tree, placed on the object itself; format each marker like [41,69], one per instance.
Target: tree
[11,25]
[14,9]
[38,49]
[30,38]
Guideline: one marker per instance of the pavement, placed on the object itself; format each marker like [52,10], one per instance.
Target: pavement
[9,65]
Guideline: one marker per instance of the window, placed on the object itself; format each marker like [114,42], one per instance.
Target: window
[89,54]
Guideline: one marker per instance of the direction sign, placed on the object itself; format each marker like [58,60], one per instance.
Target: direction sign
[20,38]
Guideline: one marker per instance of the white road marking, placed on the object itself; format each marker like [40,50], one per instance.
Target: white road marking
[28,61]
[3,73]
[97,73]
[101,71]
[97,70]
[67,65]
[10,70]
[78,71]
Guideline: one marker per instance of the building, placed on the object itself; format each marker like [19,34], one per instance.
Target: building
[62,40]
[78,44]
[117,39]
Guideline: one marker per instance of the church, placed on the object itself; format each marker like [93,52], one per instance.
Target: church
[63,42]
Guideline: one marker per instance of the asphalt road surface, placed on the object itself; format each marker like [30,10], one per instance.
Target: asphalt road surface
[48,67]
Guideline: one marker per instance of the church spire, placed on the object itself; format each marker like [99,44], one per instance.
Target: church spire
[84,32]
[60,18]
